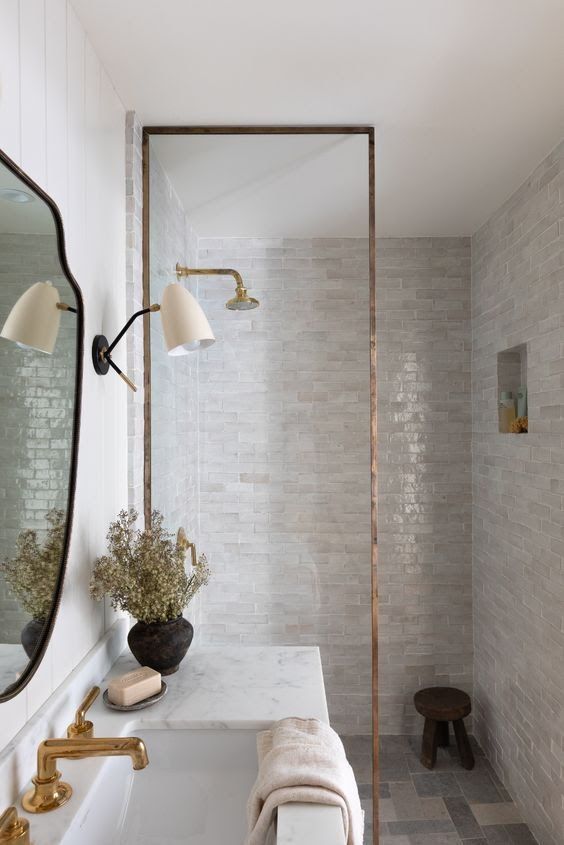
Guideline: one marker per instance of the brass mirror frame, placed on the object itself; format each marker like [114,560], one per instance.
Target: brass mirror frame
[33,664]
[147,468]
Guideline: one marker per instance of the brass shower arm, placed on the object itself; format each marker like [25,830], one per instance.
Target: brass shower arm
[204,271]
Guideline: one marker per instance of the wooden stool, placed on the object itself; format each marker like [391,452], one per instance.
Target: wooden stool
[439,706]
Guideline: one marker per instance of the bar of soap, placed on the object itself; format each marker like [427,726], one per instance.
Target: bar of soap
[134,686]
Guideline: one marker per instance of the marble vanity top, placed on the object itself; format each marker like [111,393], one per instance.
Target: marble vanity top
[220,687]
[227,686]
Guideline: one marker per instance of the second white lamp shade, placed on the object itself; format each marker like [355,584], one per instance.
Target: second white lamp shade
[34,319]
[185,325]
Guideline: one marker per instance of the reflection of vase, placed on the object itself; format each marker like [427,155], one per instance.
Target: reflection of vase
[31,635]
[161,645]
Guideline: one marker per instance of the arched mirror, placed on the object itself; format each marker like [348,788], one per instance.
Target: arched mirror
[41,328]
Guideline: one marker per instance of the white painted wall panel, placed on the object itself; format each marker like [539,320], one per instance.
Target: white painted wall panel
[32,88]
[71,140]
[10,78]
[56,101]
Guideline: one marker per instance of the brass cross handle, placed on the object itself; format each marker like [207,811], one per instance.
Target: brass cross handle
[13,829]
[80,726]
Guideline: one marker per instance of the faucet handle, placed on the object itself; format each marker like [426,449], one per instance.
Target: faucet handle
[81,727]
[13,829]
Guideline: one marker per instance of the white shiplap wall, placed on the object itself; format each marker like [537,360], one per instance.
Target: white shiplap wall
[62,122]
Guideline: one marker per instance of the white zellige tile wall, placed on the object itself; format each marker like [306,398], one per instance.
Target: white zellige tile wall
[174,381]
[424,472]
[36,407]
[134,295]
[285,457]
[62,122]
[518,544]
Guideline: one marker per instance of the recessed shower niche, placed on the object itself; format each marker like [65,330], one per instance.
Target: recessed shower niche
[512,394]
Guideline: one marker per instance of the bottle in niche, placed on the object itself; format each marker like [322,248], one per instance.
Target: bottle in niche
[506,411]
[522,410]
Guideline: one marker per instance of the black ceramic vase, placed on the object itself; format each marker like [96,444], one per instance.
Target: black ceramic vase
[31,635]
[161,645]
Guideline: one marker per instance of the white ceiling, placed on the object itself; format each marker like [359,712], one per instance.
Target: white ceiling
[465,95]
[291,186]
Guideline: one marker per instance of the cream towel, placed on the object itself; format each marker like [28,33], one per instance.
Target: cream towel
[302,760]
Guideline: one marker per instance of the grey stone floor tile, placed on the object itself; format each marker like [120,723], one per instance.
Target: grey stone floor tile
[423,798]
[412,828]
[445,763]
[436,784]
[478,787]
[394,744]
[509,834]
[394,769]
[462,817]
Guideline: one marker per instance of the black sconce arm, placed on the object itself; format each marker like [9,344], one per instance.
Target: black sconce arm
[102,349]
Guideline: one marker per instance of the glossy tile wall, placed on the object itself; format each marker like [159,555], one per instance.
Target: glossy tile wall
[37,396]
[518,548]
[285,457]
[134,295]
[424,472]
[174,381]
[61,120]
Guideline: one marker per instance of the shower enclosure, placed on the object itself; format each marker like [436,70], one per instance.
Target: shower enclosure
[262,445]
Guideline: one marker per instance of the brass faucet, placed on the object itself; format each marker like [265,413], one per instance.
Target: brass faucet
[13,829]
[81,727]
[49,791]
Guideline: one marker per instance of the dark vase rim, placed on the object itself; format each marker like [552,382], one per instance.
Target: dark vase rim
[168,622]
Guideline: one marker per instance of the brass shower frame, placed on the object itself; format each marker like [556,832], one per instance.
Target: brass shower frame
[286,130]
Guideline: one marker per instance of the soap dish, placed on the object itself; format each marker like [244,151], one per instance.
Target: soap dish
[140,704]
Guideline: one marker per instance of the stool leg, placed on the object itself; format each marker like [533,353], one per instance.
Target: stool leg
[429,744]
[443,737]
[463,743]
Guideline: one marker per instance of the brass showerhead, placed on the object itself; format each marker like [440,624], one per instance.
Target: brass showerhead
[240,302]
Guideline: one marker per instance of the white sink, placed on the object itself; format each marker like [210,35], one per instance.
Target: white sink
[194,791]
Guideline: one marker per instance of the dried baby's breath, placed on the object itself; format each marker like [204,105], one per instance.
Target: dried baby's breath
[144,571]
[32,573]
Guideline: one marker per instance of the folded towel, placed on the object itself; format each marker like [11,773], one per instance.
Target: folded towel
[302,760]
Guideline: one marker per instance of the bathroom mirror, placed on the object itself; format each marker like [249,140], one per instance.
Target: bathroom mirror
[41,319]
[260,444]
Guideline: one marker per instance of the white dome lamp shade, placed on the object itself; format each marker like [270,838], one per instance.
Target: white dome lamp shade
[33,322]
[185,326]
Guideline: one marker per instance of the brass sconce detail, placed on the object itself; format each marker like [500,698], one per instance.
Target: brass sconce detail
[13,829]
[184,543]
[240,302]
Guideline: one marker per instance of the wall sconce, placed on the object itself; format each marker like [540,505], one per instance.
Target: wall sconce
[33,322]
[185,327]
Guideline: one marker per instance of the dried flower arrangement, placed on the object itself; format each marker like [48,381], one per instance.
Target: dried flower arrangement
[520,425]
[144,571]
[33,572]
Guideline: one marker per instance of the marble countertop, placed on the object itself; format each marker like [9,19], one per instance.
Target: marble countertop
[222,687]
[232,687]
